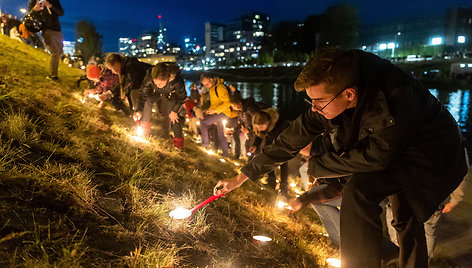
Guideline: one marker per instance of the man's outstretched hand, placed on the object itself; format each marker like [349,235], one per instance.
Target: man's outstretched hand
[227,185]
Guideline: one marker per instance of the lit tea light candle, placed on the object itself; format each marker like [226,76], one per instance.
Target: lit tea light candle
[180,213]
[333,262]
[236,164]
[211,152]
[222,160]
[140,131]
[262,238]
[283,205]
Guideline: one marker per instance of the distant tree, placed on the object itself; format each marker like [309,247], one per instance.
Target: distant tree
[88,40]
[339,26]
[310,34]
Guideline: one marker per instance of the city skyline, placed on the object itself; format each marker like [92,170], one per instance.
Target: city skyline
[187,20]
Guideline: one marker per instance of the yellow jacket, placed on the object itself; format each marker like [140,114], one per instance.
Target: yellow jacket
[220,103]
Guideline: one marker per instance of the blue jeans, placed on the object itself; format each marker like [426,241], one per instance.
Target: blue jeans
[429,229]
[329,213]
[206,123]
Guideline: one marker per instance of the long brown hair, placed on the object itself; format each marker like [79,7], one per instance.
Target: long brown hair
[268,116]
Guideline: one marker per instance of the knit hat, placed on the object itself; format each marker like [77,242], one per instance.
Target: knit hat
[93,72]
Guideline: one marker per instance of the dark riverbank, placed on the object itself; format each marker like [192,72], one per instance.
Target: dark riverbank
[433,74]
[264,74]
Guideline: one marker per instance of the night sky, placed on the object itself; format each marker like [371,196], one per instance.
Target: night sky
[182,18]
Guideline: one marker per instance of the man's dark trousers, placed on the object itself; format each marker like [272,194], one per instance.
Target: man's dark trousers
[361,226]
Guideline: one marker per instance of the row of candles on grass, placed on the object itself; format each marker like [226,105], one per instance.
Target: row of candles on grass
[181,213]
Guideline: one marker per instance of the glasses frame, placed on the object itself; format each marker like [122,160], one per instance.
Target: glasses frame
[322,108]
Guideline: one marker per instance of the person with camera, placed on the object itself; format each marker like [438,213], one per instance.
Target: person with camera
[48,12]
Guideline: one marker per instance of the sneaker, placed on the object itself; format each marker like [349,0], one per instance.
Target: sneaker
[53,78]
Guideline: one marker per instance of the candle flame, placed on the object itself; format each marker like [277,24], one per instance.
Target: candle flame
[180,213]
[293,185]
[283,205]
[198,123]
[222,160]
[224,122]
[262,238]
[334,262]
[140,131]
[236,164]
[211,152]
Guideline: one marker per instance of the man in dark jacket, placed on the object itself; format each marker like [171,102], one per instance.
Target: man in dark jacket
[131,73]
[48,12]
[395,139]
[165,86]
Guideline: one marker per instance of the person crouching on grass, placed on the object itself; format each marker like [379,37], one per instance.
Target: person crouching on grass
[267,126]
[396,140]
[165,86]
[106,87]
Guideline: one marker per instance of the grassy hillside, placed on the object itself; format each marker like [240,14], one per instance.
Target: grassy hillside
[77,191]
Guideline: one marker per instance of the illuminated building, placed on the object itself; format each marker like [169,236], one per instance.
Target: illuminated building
[238,40]
[127,46]
[420,38]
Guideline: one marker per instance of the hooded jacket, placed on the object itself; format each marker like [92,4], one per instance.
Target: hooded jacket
[397,128]
[174,91]
[220,102]
[49,21]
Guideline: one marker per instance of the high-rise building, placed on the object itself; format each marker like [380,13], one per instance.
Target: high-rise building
[239,40]
[161,35]
[420,37]
[127,46]
[214,33]
[147,44]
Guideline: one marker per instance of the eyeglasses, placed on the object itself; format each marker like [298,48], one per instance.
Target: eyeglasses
[322,108]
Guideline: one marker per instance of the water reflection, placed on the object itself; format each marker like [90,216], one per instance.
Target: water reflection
[281,96]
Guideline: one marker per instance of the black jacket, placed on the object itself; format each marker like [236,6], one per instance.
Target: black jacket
[174,92]
[132,74]
[249,108]
[50,21]
[398,128]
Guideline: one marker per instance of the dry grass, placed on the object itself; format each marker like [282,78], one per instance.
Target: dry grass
[76,190]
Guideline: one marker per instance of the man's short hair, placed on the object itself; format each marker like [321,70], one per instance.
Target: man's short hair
[163,70]
[333,66]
